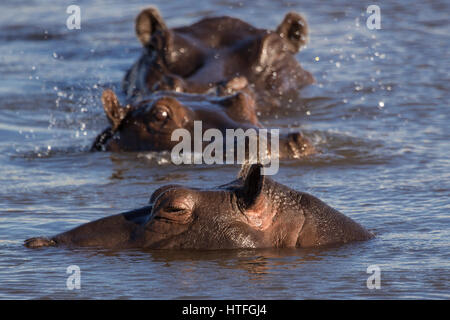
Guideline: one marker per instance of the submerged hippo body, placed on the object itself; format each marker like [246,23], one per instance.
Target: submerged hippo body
[148,123]
[215,51]
[251,212]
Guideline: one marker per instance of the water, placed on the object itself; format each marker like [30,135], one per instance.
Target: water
[379,113]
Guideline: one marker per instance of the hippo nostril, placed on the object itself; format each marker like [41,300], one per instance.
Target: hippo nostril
[299,145]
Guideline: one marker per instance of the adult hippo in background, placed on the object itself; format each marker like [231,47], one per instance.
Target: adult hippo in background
[215,51]
[253,211]
[148,123]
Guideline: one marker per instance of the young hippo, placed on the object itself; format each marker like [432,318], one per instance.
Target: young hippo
[217,52]
[251,212]
[148,124]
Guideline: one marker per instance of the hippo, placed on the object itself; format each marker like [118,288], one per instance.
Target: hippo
[253,211]
[148,123]
[216,53]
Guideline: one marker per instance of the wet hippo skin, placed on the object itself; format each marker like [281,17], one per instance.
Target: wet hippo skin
[213,52]
[253,211]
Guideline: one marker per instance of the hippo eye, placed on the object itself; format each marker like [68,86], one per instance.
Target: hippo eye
[174,209]
[170,207]
[160,115]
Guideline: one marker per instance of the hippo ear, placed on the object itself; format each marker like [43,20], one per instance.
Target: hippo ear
[253,183]
[113,110]
[295,30]
[270,48]
[255,204]
[148,22]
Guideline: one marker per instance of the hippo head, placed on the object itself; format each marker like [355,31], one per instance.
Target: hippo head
[147,124]
[253,211]
[240,214]
[217,51]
